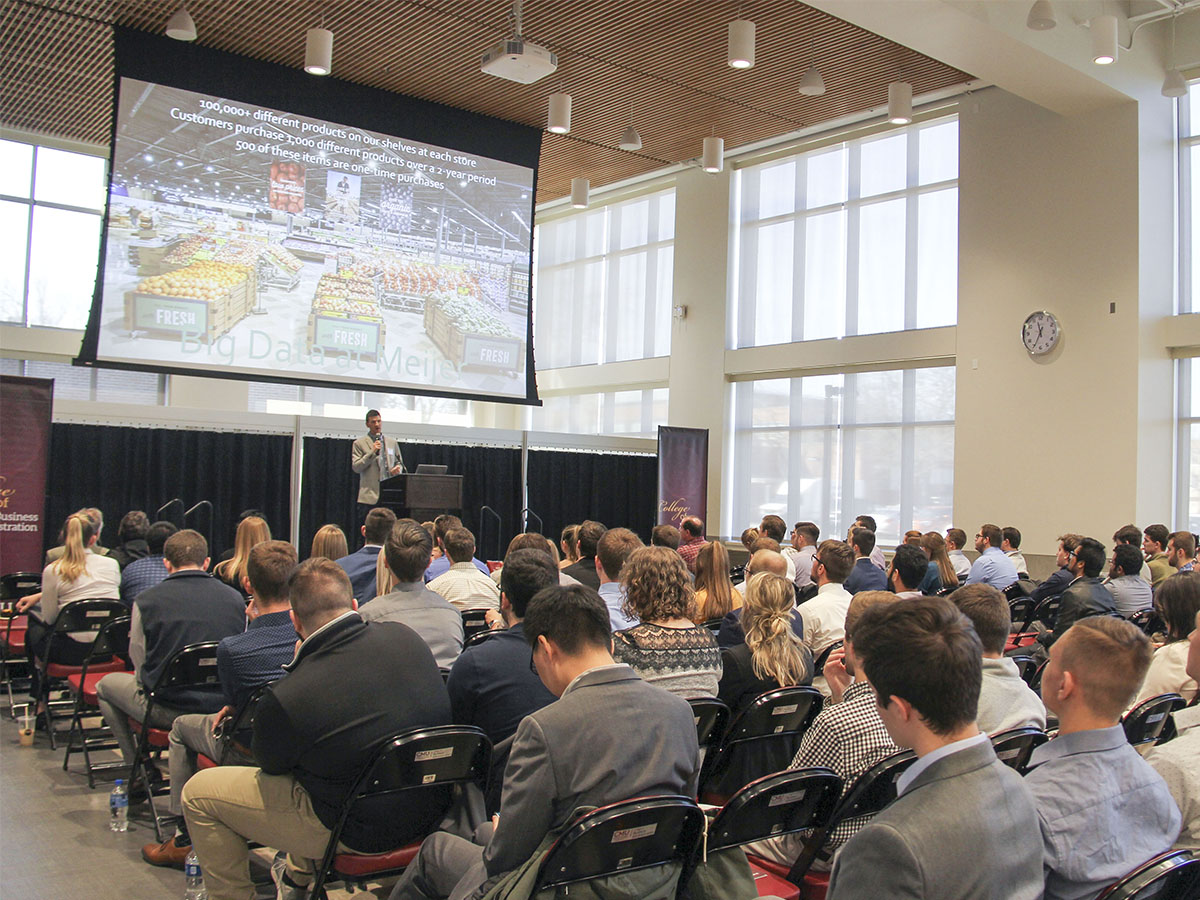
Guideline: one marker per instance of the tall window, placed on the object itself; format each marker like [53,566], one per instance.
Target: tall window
[858,238]
[93,384]
[603,288]
[51,203]
[623,413]
[1188,493]
[827,448]
[1189,200]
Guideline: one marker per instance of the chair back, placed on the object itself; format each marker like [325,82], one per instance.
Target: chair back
[1174,875]
[623,837]
[1019,588]
[478,638]
[111,640]
[1145,722]
[711,717]
[781,711]
[16,585]
[80,617]
[1020,611]
[737,574]
[1026,667]
[713,625]
[195,666]
[237,731]
[1149,621]
[1047,611]
[474,621]
[819,664]
[1015,746]
[784,803]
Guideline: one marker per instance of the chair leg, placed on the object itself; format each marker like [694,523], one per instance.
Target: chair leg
[76,721]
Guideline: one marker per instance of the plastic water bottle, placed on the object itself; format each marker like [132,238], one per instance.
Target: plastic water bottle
[193,879]
[118,807]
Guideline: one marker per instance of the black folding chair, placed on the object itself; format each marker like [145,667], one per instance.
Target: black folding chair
[1144,723]
[630,836]
[1047,612]
[236,732]
[418,774]
[1020,611]
[711,717]
[1174,875]
[65,652]
[474,621]
[1027,667]
[761,740]
[478,638]
[112,643]
[1018,589]
[713,625]
[1015,746]
[190,669]
[13,587]
[784,803]
[1149,621]
[819,665]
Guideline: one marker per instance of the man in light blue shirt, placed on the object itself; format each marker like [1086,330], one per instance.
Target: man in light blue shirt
[1102,809]
[992,567]
[611,552]
[1130,590]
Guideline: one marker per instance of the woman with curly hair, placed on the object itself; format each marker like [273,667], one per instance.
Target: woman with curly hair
[715,593]
[667,648]
[1177,600]
[772,656]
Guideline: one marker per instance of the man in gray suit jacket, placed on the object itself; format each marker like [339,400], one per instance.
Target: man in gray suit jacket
[573,753]
[374,456]
[963,825]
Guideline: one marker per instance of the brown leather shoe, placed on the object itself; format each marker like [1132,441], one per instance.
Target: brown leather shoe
[166,854]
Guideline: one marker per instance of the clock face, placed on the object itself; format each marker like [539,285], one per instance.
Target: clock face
[1040,333]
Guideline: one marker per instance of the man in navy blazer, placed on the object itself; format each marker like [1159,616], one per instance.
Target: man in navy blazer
[360,565]
[865,576]
[963,825]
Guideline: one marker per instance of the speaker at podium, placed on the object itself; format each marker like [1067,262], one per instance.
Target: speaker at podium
[422,495]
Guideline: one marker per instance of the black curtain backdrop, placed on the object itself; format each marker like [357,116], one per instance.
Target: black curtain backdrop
[491,477]
[566,488]
[116,469]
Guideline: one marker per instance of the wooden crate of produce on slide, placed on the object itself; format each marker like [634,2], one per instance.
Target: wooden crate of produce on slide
[338,333]
[204,299]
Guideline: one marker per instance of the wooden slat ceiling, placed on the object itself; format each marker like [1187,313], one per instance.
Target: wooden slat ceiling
[664,60]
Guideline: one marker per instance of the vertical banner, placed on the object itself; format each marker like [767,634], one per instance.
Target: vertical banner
[682,474]
[24,450]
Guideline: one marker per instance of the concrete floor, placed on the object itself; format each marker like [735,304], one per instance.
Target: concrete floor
[54,835]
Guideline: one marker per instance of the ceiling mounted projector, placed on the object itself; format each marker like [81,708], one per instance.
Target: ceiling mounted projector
[519,61]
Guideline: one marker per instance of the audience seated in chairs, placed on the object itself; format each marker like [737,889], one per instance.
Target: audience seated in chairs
[463,585]
[1178,760]
[584,569]
[150,569]
[907,571]
[1005,700]
[1063,576]
[731,632]
[775,529]
[771,656]
[1085,595]
[561,751]
[1154,546]
[360,565]
[939,571]
[439,561]
[992,567]
[1102,809]
[825,614]
[245,662]
[131,534]
[188,607]
[962,823]
[314,730]
[568,542]
[691,539]
[1177,600]
[76,574]
[251,530]
[804,545]
[847,736]
[1010,543]
[956,539]
[1131,592]
[612,551]
[716,596]
[492,685]
[96,517]
[665,536]
[666,648]
[329,542]
[864,575]
[439,624]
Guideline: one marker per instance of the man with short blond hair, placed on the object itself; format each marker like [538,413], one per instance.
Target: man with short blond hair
[1101,807]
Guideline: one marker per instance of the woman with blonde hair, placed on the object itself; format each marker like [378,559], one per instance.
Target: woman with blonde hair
[78,574]
[569,543]
[384,579]
[772,656]
[251,531]
[667,648]
[940,573]
[329,543]
[716,596]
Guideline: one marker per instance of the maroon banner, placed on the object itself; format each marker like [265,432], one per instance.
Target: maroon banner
[24,451]
[682,474]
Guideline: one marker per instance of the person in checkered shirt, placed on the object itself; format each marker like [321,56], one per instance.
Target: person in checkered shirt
[847,736]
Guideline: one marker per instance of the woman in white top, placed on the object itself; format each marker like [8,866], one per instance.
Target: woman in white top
[1177,600]
[78,574]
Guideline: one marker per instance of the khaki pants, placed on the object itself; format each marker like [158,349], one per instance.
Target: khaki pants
[228,806]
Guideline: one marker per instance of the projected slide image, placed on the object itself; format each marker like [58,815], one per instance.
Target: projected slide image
[259,242]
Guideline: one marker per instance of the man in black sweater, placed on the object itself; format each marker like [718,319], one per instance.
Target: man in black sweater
[352,685]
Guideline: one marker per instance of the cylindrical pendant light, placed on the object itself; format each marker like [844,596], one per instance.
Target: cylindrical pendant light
[558,119]
[1041,16]
[318,51]
[900,103]
[180,26]
[1104,40]
[812,84]
[713,157]
[741,44]
[579,192]
[1174,85]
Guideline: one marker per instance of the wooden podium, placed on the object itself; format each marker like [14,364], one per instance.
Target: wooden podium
[421,497]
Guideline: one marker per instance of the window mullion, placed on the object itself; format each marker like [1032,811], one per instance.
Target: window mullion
[852,239]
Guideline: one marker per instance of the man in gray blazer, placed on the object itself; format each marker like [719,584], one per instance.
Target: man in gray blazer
[573,753]
[372,457]
[963,825]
